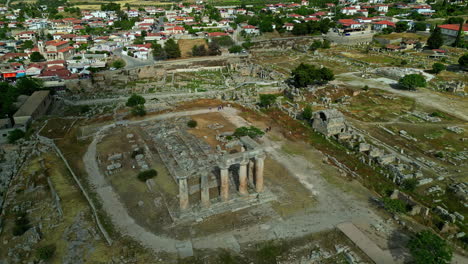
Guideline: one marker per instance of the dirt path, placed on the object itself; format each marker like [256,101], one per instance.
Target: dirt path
[454,106]
[334,205]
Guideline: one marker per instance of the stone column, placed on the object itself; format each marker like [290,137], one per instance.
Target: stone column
[243,177]
[224,182]
[183,193]
[259,162]
[251,171]
[205,191]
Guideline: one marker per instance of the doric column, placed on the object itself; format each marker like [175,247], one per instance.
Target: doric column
[243,177]
[250,174]
[259,163]
[183,193]
[224,182]
[205,191]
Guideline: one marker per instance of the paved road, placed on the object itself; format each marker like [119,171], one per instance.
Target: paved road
[132,63]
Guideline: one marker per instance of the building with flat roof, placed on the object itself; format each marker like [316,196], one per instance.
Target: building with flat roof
[36,106]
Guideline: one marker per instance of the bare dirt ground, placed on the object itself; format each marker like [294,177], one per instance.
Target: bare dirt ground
[450,104]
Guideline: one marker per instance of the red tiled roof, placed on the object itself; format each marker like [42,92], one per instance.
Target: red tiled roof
[56,43]
[385,22]
[217,34]
[454,27]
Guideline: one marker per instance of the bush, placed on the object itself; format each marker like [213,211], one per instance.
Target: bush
[412,81]
[235,49]
[21,224]
[268,253]
[192,123]
[251,131]
[463,60]
[307,113]
[409,184]
[428,248]
[15,135]
[135,100]
[118,64]
[438,67]
[139,110]
[306,74]
[365,88]
[146,175]
[45,252]
[267,100]
[394,205]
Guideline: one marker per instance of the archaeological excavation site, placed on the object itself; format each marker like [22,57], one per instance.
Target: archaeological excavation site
[279,147]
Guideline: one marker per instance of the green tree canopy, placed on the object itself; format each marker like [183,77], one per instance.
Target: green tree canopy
[118,64]
[428,248]
[235,49]
[420,26]
[463,60]
[401,26]
[307,113]
[28,44]
[172,49]
[412,81]
[27,85]
[306,74]
[435,41]
[158,51]
[251,131]
[438,67]
[267,100]
[135,100]
[15,135]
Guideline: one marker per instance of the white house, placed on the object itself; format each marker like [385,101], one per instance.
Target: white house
[249,29]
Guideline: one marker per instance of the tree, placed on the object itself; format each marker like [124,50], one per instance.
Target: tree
[420,26]
[438,67]
[15,135]
[454,20]
[435,40]
[412,81]
[326,44]
[409,184]
[45,252]
[135,100]
[401,26]
[306,74]
[139,110]
[235,49]
[266,26]
[317,44]
[224,41]
[192,123]
[267,100]
[36,57]
[428,248]
[459,40]
[213,49]
[463,60]
[158,51]
[199,50]
[28,85]
[307,113]
[251,131]
[172,49]
[147,174]
[118,64]
[28,44]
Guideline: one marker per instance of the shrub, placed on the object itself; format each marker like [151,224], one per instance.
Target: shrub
[409,184]
[45,252]
[437,114]
[307,113]
[118,64]
[365,88]
[146,175]
[268,253]
[412,81]
[438,67]
[15,135]
[235,49]
[135,99]
[428,248]
[192,123]
[394,205]
[267,100]
[139,110]
[21,224]
[463,60]
[251,131]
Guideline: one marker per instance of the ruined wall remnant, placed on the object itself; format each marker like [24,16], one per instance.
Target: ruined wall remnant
[329,122]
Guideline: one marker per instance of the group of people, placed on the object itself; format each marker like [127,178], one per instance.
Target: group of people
[221,107]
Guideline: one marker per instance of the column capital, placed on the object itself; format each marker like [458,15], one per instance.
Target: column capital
[261,156]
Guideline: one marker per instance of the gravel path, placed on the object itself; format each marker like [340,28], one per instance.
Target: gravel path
[454,106]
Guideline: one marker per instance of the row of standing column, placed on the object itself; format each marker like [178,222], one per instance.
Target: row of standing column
[259,164]
[224,171]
